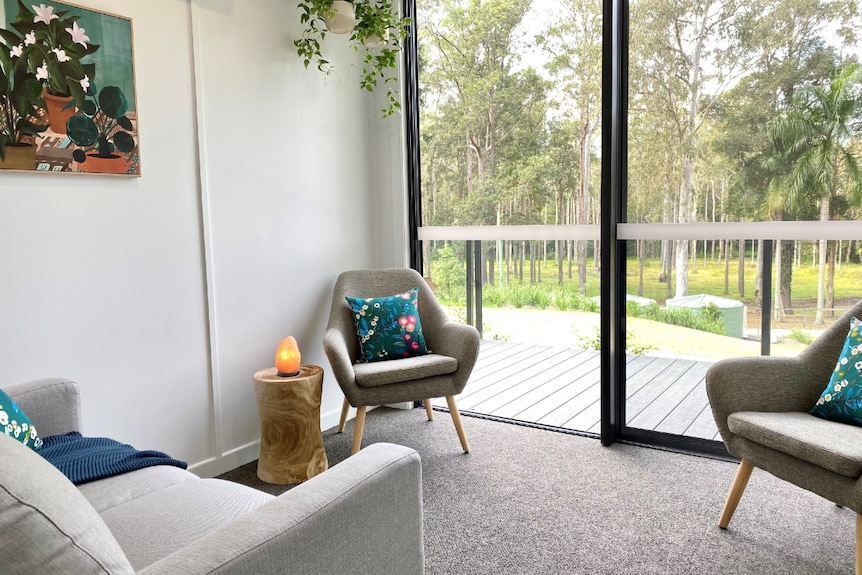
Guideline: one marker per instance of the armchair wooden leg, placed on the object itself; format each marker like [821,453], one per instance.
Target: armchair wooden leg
[344,410]
[733,497]
[858,544]
[456,419]
[358,429]
[428,409]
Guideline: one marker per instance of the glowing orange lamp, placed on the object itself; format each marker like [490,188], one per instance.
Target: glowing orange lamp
[287,358]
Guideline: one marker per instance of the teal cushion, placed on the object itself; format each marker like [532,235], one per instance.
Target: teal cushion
[388,327]
[842,399]
[16,424]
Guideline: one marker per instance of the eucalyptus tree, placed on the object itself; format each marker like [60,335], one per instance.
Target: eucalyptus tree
[797,46]
[691,51]
[478,92]
[483,113]
[574,45]
[818,131]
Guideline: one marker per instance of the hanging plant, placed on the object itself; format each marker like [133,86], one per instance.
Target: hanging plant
[377,35]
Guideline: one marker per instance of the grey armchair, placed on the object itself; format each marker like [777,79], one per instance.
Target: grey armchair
[761,404]
[442,373]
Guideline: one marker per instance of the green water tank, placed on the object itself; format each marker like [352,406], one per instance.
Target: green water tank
[732,311]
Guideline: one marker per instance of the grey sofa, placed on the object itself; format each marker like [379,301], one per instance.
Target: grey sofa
[362,516]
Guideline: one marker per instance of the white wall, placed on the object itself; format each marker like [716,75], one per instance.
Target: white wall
[162,295]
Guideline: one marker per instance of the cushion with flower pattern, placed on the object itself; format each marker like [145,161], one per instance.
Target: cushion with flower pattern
[388,327]
[842,399]
[16,424]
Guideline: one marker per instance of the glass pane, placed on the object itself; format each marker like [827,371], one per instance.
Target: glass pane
[743,111]
[672,341]
[800,314]
[539,359]
[510,110]
[510,98]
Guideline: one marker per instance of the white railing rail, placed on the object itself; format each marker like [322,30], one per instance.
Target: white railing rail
[837,230]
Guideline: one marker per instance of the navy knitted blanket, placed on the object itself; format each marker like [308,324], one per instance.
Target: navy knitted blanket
[84,459]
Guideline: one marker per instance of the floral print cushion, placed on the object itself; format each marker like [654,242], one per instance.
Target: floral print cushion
[842,399]
[388,327]
[16,424]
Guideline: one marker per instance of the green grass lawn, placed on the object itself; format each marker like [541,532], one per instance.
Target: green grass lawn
[705,278]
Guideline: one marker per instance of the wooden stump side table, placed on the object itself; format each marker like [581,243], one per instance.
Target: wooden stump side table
[291,445]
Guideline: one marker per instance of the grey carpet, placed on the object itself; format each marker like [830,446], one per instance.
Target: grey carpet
[529,501]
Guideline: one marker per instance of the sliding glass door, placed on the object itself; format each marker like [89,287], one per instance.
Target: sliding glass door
[508,116]
[675,182]
[741,117]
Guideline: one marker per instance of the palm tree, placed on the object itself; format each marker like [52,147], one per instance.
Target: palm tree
[817,132]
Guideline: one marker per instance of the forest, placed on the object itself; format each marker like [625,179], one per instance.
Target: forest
[738,111]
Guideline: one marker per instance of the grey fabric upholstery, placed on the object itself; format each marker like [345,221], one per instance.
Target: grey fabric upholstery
[396,371]
[760,406]
[112,491]
[363,515]
[443,337]
[46,525]
[52,404]
[168,521]
[197,508]
[788,384]
[827,444]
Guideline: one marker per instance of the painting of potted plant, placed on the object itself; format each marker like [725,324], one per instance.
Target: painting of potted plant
[100,129]
[377,35]
[53,45]
[20,104]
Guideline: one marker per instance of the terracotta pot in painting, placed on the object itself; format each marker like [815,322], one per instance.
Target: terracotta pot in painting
[19,157]
[58,113]
[96,164]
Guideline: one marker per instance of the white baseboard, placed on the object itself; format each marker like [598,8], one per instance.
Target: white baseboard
[230,460]
[249,452]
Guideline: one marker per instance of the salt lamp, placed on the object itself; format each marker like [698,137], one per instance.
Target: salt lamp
[287,358]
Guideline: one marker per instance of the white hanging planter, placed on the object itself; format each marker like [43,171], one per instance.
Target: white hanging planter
[376,41]
[342,19]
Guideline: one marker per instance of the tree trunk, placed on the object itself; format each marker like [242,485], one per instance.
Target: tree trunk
[664,275]
[788,250]
[758,277]
[726,245]
[821,271]
[830,281]
[641,259]
[523,257]
[741,275]
[586,136]
[777,303]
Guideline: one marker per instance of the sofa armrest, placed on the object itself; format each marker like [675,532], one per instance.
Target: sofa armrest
[363,515]
[52,404]
[761,384]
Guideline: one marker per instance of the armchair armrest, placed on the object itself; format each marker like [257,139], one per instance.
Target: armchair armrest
[761,384]
[52,404]
[459,341]
[338,355]
[364,515]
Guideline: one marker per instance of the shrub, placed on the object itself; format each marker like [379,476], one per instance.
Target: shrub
[450,277]
[493,296]
[595,342]
[706,319]
[539,297]
[801,336]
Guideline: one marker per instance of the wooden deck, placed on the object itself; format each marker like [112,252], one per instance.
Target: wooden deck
[560,387]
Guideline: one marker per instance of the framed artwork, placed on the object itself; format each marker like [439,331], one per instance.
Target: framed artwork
[67,90]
